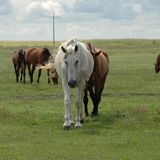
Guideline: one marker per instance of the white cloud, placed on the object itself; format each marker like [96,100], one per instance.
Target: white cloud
[45,8]
[84,19]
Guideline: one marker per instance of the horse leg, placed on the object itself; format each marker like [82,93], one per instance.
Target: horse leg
[97,98]
[21,74]
[16,72]
[67,105]
[85,101]
[39,74]
[80,116]
[24,75]
[29,71]
[31,75]
[48,76]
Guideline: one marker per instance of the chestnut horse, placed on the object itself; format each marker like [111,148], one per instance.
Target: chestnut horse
[36,56]
[19,64]
[157,64]
[97,79]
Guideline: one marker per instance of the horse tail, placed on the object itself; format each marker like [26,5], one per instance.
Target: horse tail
[46,53]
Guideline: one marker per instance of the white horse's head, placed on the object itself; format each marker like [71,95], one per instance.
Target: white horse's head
[71,62]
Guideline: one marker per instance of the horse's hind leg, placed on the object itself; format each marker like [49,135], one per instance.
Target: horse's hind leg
[21,74]
[16,72]
[31,74]
[24,75]
[39,75]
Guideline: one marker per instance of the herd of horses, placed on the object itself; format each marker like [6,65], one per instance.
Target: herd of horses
[30,58]
[79,65]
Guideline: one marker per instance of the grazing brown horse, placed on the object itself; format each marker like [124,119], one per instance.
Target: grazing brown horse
[97,79]
[157,64]
[36,56]
[19,64]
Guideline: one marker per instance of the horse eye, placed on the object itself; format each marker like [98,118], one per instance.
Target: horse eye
[77,61]
[66,62]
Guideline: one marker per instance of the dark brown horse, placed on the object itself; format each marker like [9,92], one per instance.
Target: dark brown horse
[97,79]
[34,57]
[19,64]
[157,64]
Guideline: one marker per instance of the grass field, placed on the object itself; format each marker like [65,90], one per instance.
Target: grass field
[127,128]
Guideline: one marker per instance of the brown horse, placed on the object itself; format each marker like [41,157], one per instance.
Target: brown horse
[36,56]
[157,64]
[19,64]
[97,79]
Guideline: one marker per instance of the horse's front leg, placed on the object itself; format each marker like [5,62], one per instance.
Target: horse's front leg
[67,105]
[48,75]
[80,116]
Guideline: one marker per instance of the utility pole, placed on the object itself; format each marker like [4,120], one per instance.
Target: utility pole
[53,31]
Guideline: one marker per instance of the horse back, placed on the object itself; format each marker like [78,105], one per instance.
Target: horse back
[37,55]
[102,62]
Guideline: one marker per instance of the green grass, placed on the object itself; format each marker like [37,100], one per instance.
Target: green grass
[128,125]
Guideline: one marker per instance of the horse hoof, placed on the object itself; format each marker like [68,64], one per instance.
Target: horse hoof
[87,114]
[66,127]
[78,125]
[94,114]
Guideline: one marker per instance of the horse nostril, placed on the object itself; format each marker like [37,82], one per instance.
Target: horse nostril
[72,83]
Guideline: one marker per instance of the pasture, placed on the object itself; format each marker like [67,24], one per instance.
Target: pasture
[128,125]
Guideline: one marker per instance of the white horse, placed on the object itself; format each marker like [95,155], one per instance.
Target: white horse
[74,65]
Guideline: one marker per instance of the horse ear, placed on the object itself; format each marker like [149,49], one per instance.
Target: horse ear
[97,53]
[76,48]
[63,49]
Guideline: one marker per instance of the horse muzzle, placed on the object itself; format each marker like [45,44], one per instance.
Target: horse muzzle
[72,83]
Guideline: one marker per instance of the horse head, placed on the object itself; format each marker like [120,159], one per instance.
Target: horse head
[94,51]
[71,63]
[156,67]
[157,64]
[52,70]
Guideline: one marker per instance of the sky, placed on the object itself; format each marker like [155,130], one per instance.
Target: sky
[81,19]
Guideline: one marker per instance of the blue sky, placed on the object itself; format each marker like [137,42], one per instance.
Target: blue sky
[82,19]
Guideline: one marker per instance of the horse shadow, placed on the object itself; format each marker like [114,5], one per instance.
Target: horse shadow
[104,121]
